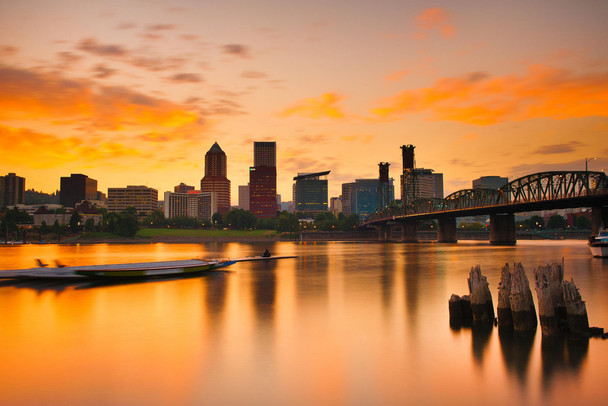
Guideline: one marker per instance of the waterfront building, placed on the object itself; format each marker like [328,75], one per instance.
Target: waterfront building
[263,180]
[490,182]
[142,198]
[364,196]
[311,192]
[195,204]
[216,177]
[244,197]
[76,188]
[335,205]
[347,189]
[12,190]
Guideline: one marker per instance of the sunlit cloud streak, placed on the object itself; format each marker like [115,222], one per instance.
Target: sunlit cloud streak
[186,78]
[93,46]
[324,106]
[558,148]
[238,50]
[434,19]
[477,98]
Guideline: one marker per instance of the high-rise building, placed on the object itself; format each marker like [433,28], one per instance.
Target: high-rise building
[183,188]
[216,177]
[490,182]
[418,183]
[335,205]
[244,197]
[142,198]
[347,189]
[12,190]
[263,180]
[76,188]
[196,204]
[263,191]
[364,196]
[311,192]
[264,153]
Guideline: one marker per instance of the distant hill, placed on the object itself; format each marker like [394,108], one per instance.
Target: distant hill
[34,197]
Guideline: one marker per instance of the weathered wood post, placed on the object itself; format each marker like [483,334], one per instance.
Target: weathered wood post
[481,298]
[544,294]
[505,316]
[578,323]
[522,305]
[460,311]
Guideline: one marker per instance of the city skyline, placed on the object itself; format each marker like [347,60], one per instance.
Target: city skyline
[137,97]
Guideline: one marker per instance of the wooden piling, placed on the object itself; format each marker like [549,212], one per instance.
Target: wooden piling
[481,298]
[578,323]
[456,318]
[505,316]
[544,294]
[522,305]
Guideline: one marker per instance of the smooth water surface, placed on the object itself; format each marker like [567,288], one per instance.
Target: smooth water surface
[343,324]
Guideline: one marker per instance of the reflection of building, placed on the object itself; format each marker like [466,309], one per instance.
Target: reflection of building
[142,198]
[244,197]
[215,179]
[490,182]
[195,204]
[263,180]
[12,190]
[311,192]
[77,188]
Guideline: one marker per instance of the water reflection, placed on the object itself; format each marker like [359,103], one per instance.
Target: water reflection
[562,354]
[516,350]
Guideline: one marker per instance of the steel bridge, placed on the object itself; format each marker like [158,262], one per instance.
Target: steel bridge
[539,191]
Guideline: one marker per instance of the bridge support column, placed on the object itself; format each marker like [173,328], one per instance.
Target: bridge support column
[599,218]
[409,232]
[446,230]
[382,232]
[502,229]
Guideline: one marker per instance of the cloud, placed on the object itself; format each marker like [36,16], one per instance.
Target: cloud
[434,19]
[558,148]
[238,50]
[160,27]
[324,106]
[481,99]
[156,64]
[397,76]
[33,95]
[250,74]
[8,50]
[92,46]
[126,26]
[101,71]
[186,78]
[364,138]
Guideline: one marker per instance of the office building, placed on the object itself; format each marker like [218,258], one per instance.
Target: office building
[76,188]
[347,189]
[215,179]
[183,188]
[263,180]
[490,182]
[418,183]
[263,191]
[244,197]
[311,193]
[335,205]
[195,204]
[142,198]
[12,190]
[364,196]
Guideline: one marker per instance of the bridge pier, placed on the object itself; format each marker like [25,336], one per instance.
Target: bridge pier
[383,231]
[409,232]
[599,218]
[446,230]
[502,229]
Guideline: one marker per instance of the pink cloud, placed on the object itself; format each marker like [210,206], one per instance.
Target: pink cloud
[434,19]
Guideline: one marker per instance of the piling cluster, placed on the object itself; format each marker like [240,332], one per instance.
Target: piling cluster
[560,307]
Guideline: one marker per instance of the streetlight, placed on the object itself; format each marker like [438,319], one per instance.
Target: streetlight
[586,163]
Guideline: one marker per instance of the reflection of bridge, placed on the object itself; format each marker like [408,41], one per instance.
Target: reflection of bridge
[540,191]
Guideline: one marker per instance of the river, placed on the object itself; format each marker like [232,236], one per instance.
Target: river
[342,324]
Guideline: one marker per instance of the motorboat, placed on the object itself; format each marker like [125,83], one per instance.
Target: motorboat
[599,244]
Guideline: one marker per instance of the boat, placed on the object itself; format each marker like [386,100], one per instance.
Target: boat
[133,270]
[599,244]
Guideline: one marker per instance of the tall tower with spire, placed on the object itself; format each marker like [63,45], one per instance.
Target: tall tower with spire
[215,179]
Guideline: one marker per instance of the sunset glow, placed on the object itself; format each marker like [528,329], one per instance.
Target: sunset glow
[135,92]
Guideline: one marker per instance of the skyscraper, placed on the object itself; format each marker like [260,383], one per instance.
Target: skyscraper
[263,180]
[76,188]
[311,192]
[215,179]
[12,190]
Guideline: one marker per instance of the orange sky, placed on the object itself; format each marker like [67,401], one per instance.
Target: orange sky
[135,92]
